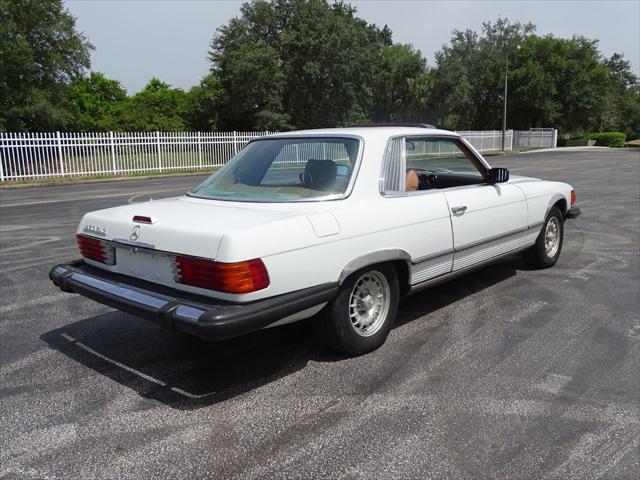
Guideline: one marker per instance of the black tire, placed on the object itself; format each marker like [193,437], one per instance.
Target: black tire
[333,325]
[537,256]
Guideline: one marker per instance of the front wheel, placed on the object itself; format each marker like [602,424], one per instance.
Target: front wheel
[546,251]
[359,319]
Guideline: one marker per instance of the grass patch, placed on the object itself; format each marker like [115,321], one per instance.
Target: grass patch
[97,178]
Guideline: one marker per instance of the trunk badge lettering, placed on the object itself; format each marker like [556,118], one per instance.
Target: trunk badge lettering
[95,229]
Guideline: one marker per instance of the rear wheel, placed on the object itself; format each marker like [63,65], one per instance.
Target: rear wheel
[361,315]
[546,251]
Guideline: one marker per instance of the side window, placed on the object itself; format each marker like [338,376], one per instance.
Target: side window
[439,155]
[424,163]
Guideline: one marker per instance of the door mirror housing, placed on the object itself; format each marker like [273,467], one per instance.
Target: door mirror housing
[497,175]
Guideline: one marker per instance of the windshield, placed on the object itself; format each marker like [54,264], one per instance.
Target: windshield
[284,170]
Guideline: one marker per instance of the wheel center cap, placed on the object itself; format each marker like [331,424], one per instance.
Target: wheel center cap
[368,302]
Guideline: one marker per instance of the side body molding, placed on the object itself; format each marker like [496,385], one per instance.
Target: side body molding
[372,258]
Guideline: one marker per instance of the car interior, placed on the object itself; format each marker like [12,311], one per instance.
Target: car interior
[285,169]
[319,174]
[440,163]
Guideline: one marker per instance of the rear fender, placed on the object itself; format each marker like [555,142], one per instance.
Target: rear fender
[373,258]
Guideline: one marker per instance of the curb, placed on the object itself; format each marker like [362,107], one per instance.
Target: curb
[9,186]
[565,149]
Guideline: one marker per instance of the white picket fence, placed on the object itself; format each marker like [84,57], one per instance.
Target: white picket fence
[535,138]
[58,154]
[32,156]
[491,140]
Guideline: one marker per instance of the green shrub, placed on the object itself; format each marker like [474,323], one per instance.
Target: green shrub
[610,139]
[604,139]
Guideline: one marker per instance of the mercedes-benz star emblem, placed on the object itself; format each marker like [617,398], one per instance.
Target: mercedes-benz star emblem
[135,233]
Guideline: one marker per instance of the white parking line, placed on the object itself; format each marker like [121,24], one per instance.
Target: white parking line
[133,370]
[36,301]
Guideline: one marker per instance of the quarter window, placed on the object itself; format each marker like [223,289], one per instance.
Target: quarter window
[394,166]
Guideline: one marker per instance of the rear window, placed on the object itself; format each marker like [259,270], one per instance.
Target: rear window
[284,170]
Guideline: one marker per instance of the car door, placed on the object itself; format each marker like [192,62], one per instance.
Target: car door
[487,220]
[418,221]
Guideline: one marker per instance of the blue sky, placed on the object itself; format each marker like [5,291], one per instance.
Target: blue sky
[138,39]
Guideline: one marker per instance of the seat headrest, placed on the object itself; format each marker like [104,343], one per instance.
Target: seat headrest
[320,174]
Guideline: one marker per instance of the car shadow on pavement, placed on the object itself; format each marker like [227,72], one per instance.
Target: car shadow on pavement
[186,373]
[441,295]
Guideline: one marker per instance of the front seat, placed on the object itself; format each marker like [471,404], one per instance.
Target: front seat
[320,174]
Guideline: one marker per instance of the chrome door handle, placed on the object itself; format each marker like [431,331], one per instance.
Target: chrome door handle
[458,210]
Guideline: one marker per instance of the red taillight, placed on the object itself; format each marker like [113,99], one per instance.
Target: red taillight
[96,249]
[238,277]
[573,197]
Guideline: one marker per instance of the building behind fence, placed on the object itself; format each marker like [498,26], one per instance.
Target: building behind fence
[32,156]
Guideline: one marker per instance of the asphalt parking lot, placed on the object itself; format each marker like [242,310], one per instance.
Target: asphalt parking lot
[505,373]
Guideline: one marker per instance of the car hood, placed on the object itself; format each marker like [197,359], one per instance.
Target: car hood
[184,225]
[520,179]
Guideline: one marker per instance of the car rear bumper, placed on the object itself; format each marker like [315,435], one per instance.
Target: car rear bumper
[207,318]
[573,212]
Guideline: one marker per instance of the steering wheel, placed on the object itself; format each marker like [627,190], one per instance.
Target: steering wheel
[427,178]
[432,179]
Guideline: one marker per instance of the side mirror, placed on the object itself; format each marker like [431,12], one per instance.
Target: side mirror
[498,175]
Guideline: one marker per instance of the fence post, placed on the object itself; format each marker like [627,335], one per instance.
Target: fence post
[199,149]
[60,159]
[555,138]
[158,150]
[113,152]
[511,143]
[235,142]
[5,151]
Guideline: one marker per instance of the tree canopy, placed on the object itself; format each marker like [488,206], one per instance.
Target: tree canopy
[93,102]
[402,85]
[552,81]
[285,64]
[297,63]
[40,52]
[157,107]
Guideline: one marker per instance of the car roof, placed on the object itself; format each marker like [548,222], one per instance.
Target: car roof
[369,132]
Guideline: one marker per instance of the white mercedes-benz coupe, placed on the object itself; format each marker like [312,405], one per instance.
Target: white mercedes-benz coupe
[334,224]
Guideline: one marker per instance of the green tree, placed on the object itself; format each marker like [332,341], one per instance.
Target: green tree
[203,104]
[552,82]
[559,82]
[40,53]
[468,82]
[621,105]
[297,63]
[93,103]
[402,86]
[254,83]
[157,107]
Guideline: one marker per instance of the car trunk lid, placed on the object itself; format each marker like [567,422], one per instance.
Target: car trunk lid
[178,225]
